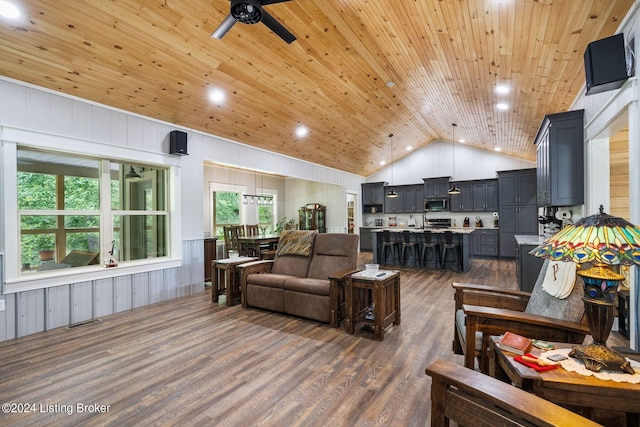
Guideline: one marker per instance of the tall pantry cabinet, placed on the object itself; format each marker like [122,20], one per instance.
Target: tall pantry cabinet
[518,211]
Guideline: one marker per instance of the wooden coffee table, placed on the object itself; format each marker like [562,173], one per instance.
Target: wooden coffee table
[225,277]
[566,388]
[383,292]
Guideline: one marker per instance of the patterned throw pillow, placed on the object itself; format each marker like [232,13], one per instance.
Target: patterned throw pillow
[296,242]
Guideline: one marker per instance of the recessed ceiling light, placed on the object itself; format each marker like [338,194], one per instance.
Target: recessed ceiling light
[391,83]
[502,106]
[382,163]
[8,10]
[216,96]
[301,131]
[502,89]
[462,141]
[409,148]
[498,149]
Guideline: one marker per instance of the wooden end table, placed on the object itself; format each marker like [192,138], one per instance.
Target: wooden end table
[384,292]
[225,277]
[566,388]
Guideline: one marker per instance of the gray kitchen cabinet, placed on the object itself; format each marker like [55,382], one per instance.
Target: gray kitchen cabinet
[527,267]
[413,201]
[365,239]
[560,159]
[394,204]
[485,196]
[517,208]
[373,196]
[436,187]
[462,202]
[485,243]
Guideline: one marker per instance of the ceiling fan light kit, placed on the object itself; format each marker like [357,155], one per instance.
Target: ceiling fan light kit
[251,12]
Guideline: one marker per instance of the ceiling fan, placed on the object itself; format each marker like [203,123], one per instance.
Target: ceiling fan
[251,12]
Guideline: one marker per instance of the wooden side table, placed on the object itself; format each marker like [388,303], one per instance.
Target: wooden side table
[564,387]
[225,277]
[384,292]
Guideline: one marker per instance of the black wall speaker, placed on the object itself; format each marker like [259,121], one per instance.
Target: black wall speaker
[178,142]
[605,64]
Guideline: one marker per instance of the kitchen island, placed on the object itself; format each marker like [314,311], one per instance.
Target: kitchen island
[461,235]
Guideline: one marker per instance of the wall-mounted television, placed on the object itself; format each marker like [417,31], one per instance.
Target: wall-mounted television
[605,64]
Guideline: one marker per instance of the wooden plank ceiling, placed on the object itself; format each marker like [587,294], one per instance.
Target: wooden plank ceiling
[156,58]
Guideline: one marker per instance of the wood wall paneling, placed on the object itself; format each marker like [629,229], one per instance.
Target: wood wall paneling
[619,174]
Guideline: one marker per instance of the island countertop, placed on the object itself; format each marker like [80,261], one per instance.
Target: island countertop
[535,240]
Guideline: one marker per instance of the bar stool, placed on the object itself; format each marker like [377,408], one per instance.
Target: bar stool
[448,246]
[407,245]
[386,245]
[430,250]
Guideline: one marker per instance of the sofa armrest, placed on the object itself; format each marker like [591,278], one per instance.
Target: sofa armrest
[255,267]
[489,296]
[341,275]
[336,296]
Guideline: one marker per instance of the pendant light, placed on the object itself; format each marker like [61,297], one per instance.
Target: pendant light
[257,199]
[454,188]
[391,193]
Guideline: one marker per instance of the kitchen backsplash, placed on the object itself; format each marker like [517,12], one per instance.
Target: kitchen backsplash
[457,218]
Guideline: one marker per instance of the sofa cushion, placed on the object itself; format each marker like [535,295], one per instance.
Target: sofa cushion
[306,305]
[333,252]
[308,285]
[265,297]
[296,266]
[268,280]
[296,242]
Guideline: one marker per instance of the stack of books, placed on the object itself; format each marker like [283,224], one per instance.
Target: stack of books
[515,343]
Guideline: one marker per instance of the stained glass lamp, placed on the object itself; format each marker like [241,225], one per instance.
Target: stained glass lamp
[601,240]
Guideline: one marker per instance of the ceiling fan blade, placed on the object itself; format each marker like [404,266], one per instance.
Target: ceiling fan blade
[277,27]
[224,27]
[265,2]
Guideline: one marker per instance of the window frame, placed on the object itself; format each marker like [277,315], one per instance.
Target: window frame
[11,138]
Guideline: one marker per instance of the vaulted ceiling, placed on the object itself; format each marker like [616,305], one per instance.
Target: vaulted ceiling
[446,57]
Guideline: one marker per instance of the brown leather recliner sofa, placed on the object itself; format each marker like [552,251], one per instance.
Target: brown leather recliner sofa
[305,278]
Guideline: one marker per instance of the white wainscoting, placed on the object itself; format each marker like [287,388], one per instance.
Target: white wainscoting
[40,310]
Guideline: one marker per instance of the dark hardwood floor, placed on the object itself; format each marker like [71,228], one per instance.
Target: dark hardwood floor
[193,362]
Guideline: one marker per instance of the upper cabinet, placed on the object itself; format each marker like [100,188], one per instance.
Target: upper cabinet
[410,199]
[560,159]
[485,196]
[373,196]
[436,187]
[413,201]
[462,202]
[476,196]
[517,187]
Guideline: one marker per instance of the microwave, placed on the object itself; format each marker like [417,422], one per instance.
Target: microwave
[436,204]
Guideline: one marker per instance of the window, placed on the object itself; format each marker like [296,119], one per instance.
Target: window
[266,215]
[63,222]
[226,211]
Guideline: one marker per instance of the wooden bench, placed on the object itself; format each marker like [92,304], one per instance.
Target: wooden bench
[471,398]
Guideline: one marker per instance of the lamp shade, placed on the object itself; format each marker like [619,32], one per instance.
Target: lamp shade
[599,238]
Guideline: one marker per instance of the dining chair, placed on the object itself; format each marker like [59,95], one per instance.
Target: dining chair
[231,242]
[253,230]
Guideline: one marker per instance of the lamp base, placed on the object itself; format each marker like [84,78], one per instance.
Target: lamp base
[597,357]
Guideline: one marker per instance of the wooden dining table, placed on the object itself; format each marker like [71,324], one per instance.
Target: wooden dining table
[256,243]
